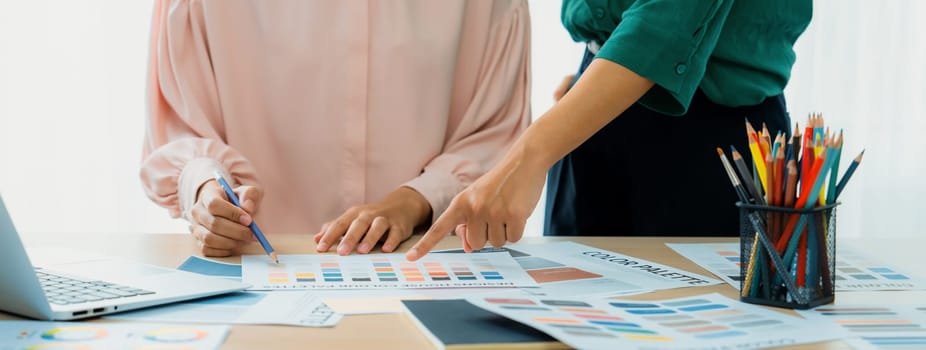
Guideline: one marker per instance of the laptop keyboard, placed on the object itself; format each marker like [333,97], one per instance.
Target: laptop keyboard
[63,290]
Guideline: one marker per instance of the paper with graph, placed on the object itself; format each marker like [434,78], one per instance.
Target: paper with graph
[99,335]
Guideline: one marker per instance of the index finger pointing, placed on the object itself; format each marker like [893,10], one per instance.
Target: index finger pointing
[441,228]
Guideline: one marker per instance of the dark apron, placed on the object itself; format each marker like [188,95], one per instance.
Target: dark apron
[651,174]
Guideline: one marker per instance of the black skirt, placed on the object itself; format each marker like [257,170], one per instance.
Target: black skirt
[651,174]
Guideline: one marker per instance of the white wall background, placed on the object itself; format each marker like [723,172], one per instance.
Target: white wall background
[72,79]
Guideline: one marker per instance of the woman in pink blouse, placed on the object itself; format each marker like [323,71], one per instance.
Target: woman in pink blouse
[356,119]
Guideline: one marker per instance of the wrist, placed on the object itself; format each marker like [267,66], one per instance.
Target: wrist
[416,203]
[201,187]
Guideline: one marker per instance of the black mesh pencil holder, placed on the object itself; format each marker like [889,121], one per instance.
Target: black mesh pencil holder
[787,256]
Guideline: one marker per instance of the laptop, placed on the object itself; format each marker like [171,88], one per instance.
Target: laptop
[90,288]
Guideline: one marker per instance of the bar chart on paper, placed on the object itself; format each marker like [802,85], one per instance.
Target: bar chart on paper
[383,271]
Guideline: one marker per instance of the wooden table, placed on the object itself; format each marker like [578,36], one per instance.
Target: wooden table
[396,331]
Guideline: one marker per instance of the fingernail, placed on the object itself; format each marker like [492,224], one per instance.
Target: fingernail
[364,247]
[388,247]
[412,254]
[248,204]
[343,250]
[245,219]
[322,247]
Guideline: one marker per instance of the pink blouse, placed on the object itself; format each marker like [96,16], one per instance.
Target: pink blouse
[332,104]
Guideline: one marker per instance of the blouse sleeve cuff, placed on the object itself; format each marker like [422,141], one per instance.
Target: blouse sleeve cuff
[195,173]
[438,188]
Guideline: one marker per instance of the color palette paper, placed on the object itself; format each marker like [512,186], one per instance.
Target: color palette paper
[709,321]
[85,336]
[569,269]
[876,327]
[383,271]
[854,270]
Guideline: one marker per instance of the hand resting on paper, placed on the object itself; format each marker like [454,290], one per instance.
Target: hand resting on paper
[390,220]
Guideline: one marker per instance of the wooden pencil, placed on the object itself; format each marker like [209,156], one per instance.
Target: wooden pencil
[746,176]
[849,171]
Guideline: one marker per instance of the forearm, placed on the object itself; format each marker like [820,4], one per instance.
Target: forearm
[605,90]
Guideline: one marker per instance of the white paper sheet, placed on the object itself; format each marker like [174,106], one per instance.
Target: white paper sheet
[383,271]
[294,308]
[854,271]
[564,269]
[117,336]
[389,301]
[709,321]
[876,326]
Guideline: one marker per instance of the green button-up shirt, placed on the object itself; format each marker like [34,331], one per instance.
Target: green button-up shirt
[737,52]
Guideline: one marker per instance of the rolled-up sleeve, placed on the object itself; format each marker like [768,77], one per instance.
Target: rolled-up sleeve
[496,114]
[668,42]
[184,142]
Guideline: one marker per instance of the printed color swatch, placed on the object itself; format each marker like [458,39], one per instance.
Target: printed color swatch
[854,271]
[705,321]
[384,271]
[876,327]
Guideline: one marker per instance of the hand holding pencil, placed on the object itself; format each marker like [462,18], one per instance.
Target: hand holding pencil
[264,243]
[220,227]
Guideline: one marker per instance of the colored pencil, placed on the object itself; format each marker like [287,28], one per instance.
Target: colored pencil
[746,177]
[758,157]
[831,187]
[849,171]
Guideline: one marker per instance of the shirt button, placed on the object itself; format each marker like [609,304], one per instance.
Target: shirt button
[681,68]
[599,13]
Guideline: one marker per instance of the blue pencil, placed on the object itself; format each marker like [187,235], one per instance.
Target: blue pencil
[831,187]
[848,174]
[257,233]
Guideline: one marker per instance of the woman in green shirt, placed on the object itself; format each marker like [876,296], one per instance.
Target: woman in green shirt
[632,144]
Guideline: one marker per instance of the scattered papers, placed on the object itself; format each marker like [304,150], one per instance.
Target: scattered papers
[708,321]
[86,335]
[854,270]
[383,271]
[292,308]
[876,326]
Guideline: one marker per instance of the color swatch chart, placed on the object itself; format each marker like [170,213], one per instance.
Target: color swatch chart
[34,335]
[384,271]
[701,322]
[876,327]
[854,271]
